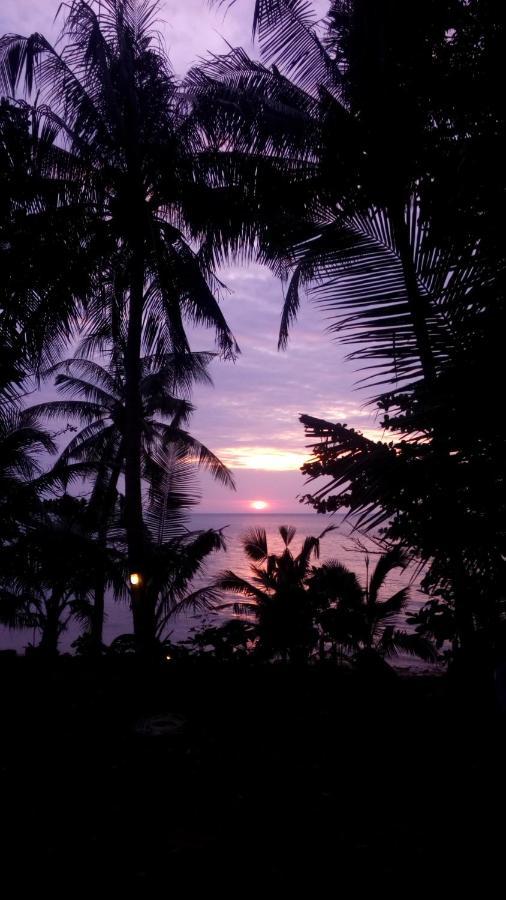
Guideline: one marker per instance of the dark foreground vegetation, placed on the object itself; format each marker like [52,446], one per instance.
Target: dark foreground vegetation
[271,778]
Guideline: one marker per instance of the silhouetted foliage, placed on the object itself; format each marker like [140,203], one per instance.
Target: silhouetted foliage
[295,610]
[356,620]
[124,181]
[276,597]
[385,116]
[48,571]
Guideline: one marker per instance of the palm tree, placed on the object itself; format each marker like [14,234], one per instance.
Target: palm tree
[176,555]
[389,213]
[342,121]
[96,397]
[276,598]
[48,571]
[127,171]
[22,442]
[177,559]
[356,618]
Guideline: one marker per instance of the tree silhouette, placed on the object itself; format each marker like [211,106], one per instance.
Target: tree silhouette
[355,618]
[48,571]
[22,441]
[342,121]
[276,598]
[96,398]
[124,164]
[391,218]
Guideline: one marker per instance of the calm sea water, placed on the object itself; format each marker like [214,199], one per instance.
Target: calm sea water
[340,544]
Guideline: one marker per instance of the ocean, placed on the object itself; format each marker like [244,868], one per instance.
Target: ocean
[341,544]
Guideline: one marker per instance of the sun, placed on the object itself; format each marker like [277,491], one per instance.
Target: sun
[259,505]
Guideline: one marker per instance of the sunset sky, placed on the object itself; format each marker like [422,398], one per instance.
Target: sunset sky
[250,419]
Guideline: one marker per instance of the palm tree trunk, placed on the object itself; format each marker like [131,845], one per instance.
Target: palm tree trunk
[50,630]
[417,304]
[464,621]
[133,434]
[97,622]
[107,507]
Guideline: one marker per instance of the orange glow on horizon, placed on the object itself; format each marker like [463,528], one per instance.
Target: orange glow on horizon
[259,505]
[268,459]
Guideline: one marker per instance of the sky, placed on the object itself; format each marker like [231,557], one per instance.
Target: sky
[250,418]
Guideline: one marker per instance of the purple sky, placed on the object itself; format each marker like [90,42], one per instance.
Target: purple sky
[250,419]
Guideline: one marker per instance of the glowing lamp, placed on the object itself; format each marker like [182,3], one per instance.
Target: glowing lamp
[136,579]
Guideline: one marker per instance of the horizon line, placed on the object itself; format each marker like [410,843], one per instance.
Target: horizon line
[252,512]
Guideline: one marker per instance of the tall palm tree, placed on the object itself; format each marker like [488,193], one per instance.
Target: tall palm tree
[126,168]
[96,397]
[276,597]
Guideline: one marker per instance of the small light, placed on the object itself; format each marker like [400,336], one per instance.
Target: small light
[168,657]
[135,579]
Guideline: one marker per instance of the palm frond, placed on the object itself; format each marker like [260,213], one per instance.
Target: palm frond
[229,581]
[395,558]
[287,533]
[336,582]
[255,544]
[288,35]
[390,609]
[395,641]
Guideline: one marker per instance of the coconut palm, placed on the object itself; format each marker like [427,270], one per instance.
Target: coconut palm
[22,442]
[276,598]
[178,566]
[127,175]
[357,619]
[96,397]
[32,235]
[176,556]
[48,571]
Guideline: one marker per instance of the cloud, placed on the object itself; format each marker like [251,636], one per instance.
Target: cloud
[270,459]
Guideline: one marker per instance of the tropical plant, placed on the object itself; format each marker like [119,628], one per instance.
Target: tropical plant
[226,642]
[276,598]
[96,397]
[355,619]
[22,442]
[440,493]
[346,110]
[125,173]
[173,583]
[14,155]
[393,221]
[48,571]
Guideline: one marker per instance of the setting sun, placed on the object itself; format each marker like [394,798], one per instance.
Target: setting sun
[259,504]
